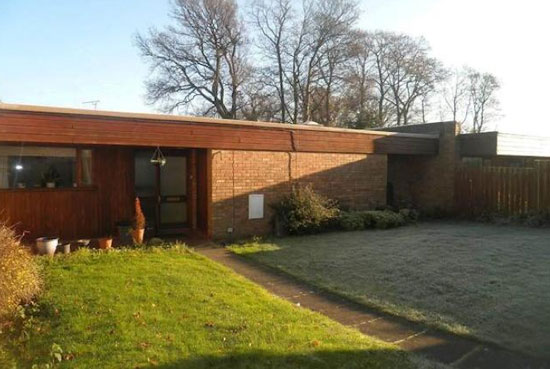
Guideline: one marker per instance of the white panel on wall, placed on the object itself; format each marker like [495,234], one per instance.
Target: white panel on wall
[255,206]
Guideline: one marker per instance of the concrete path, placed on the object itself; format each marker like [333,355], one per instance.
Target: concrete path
[439,346]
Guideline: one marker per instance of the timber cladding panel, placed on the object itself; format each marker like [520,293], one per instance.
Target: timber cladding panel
[66,126]
[357,181]
[72,213]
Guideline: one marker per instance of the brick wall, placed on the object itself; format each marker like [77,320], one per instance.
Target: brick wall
[426,182]
[356,181]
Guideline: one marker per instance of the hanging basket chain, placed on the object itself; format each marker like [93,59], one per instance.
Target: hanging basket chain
[158,157]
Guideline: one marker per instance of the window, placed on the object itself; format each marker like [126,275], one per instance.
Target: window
[44,167]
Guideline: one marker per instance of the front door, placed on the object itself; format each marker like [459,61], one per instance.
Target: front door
[163,191]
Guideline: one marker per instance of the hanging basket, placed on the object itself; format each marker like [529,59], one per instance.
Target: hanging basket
[158,158]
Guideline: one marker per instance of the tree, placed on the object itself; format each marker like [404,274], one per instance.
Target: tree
[483,87]
[379,44]
[331,22]
[200,59]
[272,20]
[411,74]
[456,95]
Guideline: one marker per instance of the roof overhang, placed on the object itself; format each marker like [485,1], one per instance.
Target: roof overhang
[38,124]
[490,144]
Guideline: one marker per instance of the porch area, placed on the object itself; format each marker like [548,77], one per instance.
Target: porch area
[84,192]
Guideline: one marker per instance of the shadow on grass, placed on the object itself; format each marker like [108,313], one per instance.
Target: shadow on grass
[376,358]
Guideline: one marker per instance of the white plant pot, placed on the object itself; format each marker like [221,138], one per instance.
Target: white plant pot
[67,248]
[50,185]
[46,245]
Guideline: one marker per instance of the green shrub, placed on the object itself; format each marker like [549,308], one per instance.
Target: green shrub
[410,215]
[20,279]
[383,219]
[304,211]
[352,221]
[379,219]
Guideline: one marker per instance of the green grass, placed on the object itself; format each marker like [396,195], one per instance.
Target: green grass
[176,309]
[492,282]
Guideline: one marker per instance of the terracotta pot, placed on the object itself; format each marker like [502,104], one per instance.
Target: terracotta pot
[46,245]
[105,243]
[137,235]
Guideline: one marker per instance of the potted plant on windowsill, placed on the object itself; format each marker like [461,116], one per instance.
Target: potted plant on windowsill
[51,177]
[138,230]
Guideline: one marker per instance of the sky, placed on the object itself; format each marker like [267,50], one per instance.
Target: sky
[66,52]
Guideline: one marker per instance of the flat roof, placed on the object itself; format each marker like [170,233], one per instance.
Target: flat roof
[196,119]
[487,144]
[30,123]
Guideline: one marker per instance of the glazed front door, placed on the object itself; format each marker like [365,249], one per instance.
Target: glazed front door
[172,198]
[162,191]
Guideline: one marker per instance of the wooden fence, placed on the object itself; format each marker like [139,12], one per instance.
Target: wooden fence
[504,190]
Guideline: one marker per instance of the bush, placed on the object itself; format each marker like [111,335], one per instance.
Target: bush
[410,215]
[388,219]
[352,221]
[20,279]
[304,211]
[379,219]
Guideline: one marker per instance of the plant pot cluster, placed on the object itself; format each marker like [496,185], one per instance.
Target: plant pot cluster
[127,232]
[49,245]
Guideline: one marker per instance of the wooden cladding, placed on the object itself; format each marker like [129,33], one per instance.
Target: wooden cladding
[501,190]
[76,212]
[69,213]
[65,128]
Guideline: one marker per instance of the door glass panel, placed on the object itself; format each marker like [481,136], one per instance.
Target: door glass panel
[173,188]
[173,178]
[173,212]
[145,174]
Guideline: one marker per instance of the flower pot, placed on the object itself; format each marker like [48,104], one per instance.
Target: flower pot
[105,243]
[67,248]
[47,245]
[83,242]
[50,185]
[137,235]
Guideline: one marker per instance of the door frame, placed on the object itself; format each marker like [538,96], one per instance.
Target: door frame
[157,198]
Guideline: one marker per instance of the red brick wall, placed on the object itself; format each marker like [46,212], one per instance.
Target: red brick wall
[356,181]
[426,182]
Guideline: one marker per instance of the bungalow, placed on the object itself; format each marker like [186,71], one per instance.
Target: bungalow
[75,173]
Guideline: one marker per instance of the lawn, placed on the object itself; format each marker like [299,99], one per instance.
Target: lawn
[492,282]
[176,309]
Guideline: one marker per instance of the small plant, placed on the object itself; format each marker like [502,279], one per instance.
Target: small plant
[305,211]
[138,232]
[139,218]
[20,278]
[51,176]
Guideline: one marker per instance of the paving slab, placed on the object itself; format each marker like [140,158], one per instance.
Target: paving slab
[439,346]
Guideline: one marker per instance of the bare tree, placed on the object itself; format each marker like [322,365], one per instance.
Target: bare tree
[379,44]
[483,87]
[411,74]
[198,58]
[331,22]
[456,95]
[272,20]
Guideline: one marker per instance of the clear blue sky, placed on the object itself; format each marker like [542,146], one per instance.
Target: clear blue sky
[64,52]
